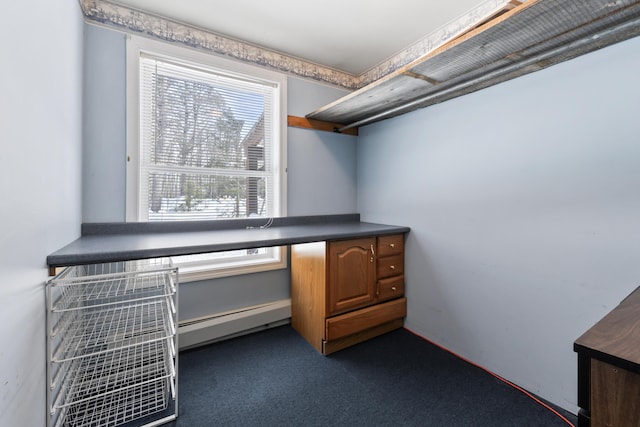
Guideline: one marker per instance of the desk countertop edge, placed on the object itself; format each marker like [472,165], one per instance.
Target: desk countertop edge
[106,243]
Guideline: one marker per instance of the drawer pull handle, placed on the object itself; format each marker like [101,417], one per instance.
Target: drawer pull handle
[393,288]
[393,245]
[393,267]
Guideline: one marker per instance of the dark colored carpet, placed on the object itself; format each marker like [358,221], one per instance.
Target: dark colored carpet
[275,378]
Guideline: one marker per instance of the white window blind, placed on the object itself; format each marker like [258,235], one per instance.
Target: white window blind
[207,143]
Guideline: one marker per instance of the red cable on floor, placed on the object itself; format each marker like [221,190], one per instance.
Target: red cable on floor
[504,380]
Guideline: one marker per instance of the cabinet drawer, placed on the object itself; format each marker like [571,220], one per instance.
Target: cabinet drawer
[390,245]
[390,266]
[360,320]
[390,288]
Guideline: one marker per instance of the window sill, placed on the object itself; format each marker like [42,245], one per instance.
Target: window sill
[237,268]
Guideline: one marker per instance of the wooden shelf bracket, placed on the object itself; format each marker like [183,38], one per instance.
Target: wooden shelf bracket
[305,123]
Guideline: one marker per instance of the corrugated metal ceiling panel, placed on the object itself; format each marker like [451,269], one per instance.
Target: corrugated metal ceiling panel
[534,35]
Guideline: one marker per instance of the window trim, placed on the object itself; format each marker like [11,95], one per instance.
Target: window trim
[134,46]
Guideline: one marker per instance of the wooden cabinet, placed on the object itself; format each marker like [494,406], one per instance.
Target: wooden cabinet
[352,280]
[609,368]
[347,291]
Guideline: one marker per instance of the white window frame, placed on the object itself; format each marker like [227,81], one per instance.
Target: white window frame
[137,45]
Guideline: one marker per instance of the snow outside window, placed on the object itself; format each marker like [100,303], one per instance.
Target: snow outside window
[205,142]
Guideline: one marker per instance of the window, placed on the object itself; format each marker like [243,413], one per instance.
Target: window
[204,142]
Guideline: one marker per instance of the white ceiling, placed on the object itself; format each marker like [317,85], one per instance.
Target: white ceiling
[348,35]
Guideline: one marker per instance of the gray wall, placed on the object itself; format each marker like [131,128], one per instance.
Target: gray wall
[524,204]
[321,165]
[104,126]
[40,128]
[321,176]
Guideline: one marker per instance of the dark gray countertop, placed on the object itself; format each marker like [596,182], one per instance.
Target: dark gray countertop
[107,242]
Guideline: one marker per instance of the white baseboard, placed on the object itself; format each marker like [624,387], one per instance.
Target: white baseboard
[197,332]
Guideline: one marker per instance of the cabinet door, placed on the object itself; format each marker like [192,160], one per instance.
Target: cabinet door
[351,274]
[614,395]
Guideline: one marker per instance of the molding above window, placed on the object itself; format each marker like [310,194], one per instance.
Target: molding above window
[138,22]
[142,23]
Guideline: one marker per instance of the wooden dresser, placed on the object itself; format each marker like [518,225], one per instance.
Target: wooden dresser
[346,291]
[609,368]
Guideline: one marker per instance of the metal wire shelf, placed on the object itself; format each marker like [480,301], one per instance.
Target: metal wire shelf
[114,268]
[112,344]
[106,329]
[96,376]
[118,408]
[113,283]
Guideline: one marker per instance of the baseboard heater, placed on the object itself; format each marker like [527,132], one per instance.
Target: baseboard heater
[209,329]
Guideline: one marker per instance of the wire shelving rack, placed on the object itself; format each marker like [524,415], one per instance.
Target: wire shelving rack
[112,344]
